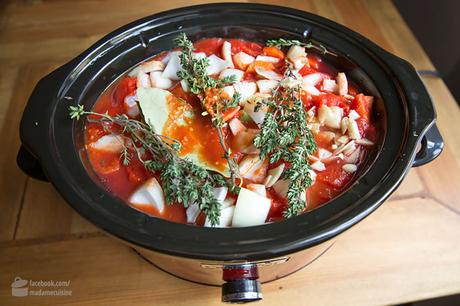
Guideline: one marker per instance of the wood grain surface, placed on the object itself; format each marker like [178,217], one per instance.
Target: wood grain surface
[407,250]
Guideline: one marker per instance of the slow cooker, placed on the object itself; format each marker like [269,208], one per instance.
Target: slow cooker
[239,259]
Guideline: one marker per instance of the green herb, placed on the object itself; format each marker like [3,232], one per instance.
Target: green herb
[204,86]
[182,180]
[281,42]
[194,69]
[285,135]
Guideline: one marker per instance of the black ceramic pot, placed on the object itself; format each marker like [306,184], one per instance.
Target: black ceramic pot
[52,144]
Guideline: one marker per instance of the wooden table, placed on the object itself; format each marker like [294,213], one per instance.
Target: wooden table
[409,249]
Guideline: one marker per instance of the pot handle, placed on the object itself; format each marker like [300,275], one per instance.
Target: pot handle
[30,165]
[431,144]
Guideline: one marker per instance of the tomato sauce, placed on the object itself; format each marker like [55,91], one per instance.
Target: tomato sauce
[122,180]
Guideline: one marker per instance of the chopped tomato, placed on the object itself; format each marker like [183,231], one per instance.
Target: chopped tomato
[322,140]
[209,46]
[330,99]
[307,100]
[334,175]
[306,70]
[362,105]
[136,172]
[248,47]
[314,61]
[126,87]
[273,51]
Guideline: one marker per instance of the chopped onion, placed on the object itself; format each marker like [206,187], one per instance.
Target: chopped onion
[330,85]
[266,86]
[267,74]
[348,146]
[330,116]
[296,52]
[281,188]
[109,143]
[342,83]
[216,65]
[236,126]
[353,158]
[184,85]
[192,213]
[227,53]
[312,79]
[323,153]
[172,68]
[258,188]
[149,193]
[242,60]
[353,130]
[342,139]
[300,62]
[344,125]
[225,218]
[310,89]
[246,89]
[350,168]
[365,142]
[229,72]
[274,175]
[353,115]
[250,209]
[269,59]
[152,66]
[131,106]
[318,166]
[229,90]
[157,80]
[143,80]
[253,168]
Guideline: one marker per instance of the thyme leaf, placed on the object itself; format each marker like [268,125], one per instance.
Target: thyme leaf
[285,135]
[282,42]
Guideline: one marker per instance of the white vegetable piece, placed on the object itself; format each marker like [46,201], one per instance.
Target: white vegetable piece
[220,193]
[330,116]
[216,65]
[184,85]
[281,188]
[157,80]
[353,115]
[259,116]
[253,168]
[300,62]
[296,52]
[228,202]
[269,59]
[143,80]
[364,142]
[267,74]
[344,125]
[330,85]
[310,89]
[266,86]
[172,68]
[245,89]
[109,143]
[289,82]
[258,188]
[227,53]
[245,141]
[342,139]
[274,175]
[131,106]
[225,218]
[152,65]
[353,130]
[250,209]
[348,146]
[192,213]
[318,166]
[350,168]
[198,55]
[312,79]
[149,193]
[236,126]
[229,90]
[134,71]
[342,83]
[323,153]
[229,72]
[242,60]
[353,158]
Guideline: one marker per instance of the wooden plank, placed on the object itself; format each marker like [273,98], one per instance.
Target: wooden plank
[397,262]
[12,180]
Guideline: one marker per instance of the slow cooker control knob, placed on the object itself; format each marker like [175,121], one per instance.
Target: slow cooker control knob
[241,284]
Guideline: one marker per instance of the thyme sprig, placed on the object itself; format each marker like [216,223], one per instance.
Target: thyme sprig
[285,135]
[194,72]
[282,42]
[183,181]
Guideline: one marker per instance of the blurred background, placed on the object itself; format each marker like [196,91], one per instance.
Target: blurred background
[436,25]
